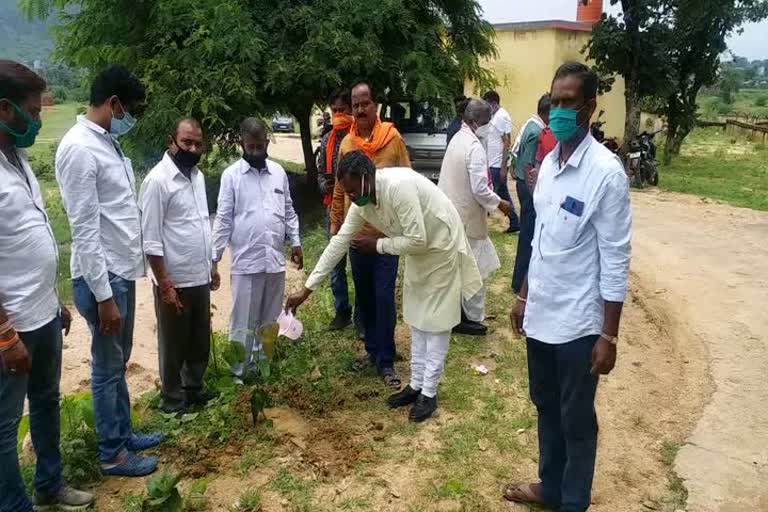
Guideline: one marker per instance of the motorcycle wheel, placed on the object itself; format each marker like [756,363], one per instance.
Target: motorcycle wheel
[654,176]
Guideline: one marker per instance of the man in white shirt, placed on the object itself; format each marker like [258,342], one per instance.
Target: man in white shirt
[464,179]
[255,217]
[31,319]
[419,222]
[497,144]
[570,305]
[177,242]
[99,193]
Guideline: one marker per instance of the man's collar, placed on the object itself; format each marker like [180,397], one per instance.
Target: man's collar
[536,119]
[245,167]
[81,119]
[170,166]
[575,159]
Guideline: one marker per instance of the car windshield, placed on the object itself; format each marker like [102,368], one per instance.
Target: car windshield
[415,117]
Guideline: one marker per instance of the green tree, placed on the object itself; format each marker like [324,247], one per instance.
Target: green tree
[221,60]
[632,45]
[701,28]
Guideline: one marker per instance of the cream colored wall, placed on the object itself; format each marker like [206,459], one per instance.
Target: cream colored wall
[527,62]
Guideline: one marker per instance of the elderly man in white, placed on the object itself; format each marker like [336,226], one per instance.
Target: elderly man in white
[177,242]
[464,179]
[255,217]
[422,224]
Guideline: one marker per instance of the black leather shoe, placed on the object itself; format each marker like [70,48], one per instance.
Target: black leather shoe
[199,398]
[340,322]
[424,408]
[405,397]
[471,328]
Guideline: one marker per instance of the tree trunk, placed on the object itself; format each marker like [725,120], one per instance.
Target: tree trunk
[310,165]
[632,119]
[669,144]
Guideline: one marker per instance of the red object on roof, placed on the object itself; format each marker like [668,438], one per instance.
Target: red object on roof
[589,11]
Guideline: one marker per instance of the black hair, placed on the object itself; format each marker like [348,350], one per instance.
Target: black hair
[355,163]
[545,104]
[18,82]
[345,95]
[492,97]
[116,80]
[586,74]
[461,103]
[365,83]
[191,120]
[253,126]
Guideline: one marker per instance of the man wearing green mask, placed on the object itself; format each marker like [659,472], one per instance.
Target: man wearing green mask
[31,319]
[570,304]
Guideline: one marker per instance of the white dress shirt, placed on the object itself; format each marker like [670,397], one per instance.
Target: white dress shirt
[28,251]
[578,261]
[175,223]
[501,124]
[98,189]
[256,217]
[421,224]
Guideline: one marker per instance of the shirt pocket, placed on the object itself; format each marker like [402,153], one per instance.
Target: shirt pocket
[563,227]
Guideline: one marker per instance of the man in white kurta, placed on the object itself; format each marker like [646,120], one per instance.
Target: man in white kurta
[255,217]
[464,179]
[421,224]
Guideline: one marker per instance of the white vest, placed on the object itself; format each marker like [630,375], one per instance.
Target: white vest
[454,181]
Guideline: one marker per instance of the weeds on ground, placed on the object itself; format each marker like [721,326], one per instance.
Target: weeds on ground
[294,488]
[249,501]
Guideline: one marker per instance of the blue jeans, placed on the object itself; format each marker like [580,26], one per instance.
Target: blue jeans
[339,279]
[41,385]
[503,192]
[109,358]
[375,276]
[563,391]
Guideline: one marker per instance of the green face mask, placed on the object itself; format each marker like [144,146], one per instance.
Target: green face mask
[26,139]
[363,199]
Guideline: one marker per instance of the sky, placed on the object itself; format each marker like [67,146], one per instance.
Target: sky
[750,44]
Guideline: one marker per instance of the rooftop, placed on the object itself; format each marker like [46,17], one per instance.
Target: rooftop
[545,24]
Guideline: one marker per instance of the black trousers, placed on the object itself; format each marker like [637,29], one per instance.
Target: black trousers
[184,342]
[527,227]
[563,391]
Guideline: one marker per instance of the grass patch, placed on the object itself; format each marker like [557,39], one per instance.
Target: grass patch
[294,488]
[714,165]
[249,501]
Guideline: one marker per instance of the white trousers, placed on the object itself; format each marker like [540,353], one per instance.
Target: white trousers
[428,351]
[474,308]
[257,300]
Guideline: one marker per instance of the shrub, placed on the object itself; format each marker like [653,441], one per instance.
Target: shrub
[761,101]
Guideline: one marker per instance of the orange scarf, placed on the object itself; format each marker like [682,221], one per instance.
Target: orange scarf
[341,122]
[381,135]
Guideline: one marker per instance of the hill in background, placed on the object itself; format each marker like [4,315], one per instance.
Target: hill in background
[20,39]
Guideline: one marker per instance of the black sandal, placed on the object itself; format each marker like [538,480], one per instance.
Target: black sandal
[391,379]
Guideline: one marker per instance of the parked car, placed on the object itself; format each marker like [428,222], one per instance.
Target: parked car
[424,132]
[282,123]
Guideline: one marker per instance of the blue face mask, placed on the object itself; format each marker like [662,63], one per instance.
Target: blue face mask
[119,127]
[563,123]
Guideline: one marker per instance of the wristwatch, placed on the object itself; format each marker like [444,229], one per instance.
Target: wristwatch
[613,340]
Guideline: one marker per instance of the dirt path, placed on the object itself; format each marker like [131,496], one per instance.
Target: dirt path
[708,263]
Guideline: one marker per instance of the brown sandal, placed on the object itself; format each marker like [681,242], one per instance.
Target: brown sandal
[523,492]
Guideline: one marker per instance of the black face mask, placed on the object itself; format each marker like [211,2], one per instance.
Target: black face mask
[185,159]
[256,160]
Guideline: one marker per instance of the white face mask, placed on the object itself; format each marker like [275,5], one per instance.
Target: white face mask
[482,131]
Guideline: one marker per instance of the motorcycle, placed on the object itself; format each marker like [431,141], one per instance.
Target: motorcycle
[596,128]
[641,165]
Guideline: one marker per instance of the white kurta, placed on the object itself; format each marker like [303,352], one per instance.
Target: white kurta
[421,224]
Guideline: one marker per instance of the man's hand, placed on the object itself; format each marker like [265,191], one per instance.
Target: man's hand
[15,361]
[603,357]
[109,318]
[66,319]
[297,299]
[170,297]
[517,316]
[366,245]
[297,256]
[215,280]
[505,207]
[531,175]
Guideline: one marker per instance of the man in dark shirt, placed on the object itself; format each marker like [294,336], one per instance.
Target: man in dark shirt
[453,128]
